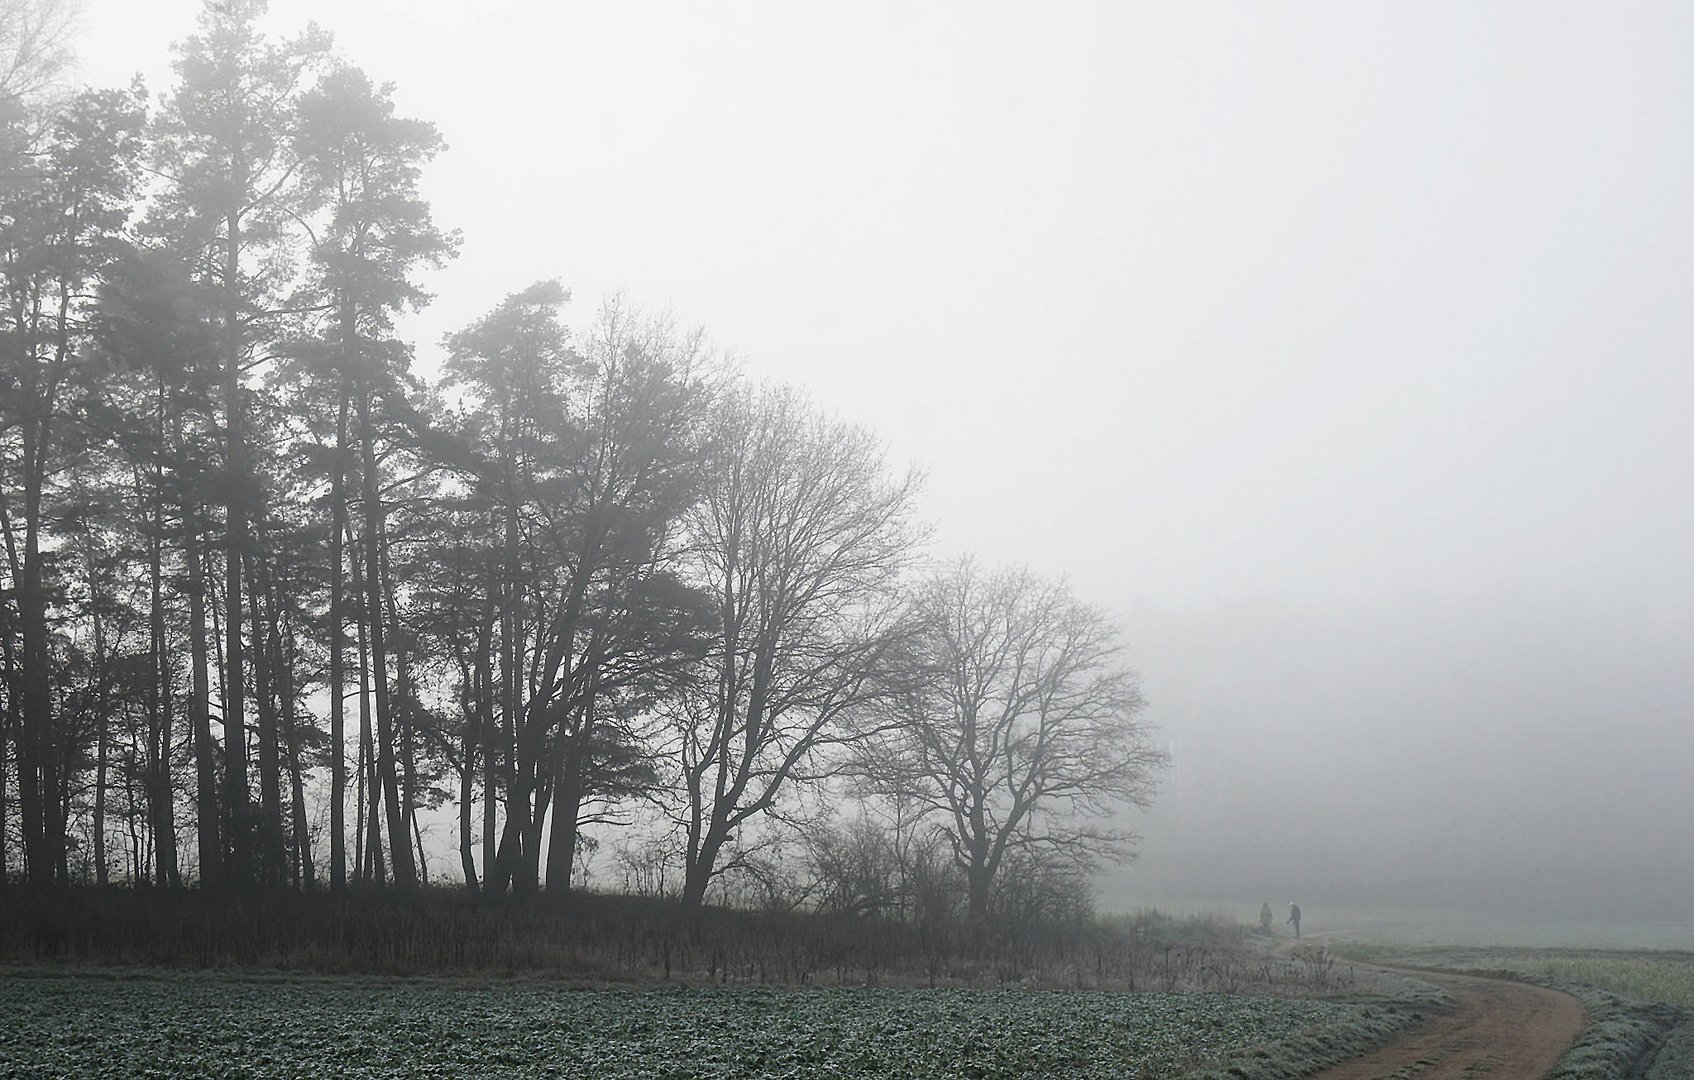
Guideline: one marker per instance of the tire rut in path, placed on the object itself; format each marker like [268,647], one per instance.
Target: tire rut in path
[1493,1030]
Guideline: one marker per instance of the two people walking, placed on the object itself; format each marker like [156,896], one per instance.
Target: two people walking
[1293,917]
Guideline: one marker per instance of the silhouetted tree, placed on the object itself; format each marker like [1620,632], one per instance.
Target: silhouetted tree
[799,540]
[584,572]
[222,142]
[360,167]
[1026,732]
[158,346]
[58,234]
[591,459]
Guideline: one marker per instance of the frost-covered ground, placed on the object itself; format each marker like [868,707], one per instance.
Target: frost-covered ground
[59,1023]
[1640,1003]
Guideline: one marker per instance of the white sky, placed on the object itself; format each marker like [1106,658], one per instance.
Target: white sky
[1326,309]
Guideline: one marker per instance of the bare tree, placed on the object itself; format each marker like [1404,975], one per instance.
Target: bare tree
[1026,733]
[35,48]
[855,866]
[799,540]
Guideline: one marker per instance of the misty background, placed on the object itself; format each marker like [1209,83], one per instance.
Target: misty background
[1340,351]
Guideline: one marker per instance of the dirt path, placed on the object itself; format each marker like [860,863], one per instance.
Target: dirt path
[1494,1030]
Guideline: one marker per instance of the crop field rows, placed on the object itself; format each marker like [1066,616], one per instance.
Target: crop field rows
[223,1026]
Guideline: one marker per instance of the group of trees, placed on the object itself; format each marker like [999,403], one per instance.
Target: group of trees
[584,575]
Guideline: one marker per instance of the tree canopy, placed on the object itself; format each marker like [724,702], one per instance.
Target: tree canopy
[273,604]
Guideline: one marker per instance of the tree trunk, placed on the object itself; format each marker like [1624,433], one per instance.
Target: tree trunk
[513,859]
[399,846]
[495,747]
[568,787]
[38,786]
[567,809]
[101,872]
[235,547]
[370,787]
[340,530]
[62,807]
[467,851]
[207,810]
[376,872]
[162,815]
[272,860]
[102,716]
[304,872]
[403,714]
[477,722]
[511,702]
[978,880]
[528,877]
[8,724]
[338,661]
[11,723]
[135,854]
[698,873]
[359,798]
[520,847]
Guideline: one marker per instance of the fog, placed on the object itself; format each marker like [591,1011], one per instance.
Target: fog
[1509,756]
[1340,351]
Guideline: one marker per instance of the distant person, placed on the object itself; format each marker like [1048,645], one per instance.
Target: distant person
[1294,917]
[1265,917]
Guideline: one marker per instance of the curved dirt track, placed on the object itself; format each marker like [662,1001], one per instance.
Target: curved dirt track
[1494,1029]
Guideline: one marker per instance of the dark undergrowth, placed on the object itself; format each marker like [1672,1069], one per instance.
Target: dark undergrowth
[622,939]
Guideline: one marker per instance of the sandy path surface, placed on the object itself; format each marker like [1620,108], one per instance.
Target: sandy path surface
[1494,1030]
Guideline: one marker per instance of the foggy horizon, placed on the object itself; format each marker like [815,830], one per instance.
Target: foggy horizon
[1338,353]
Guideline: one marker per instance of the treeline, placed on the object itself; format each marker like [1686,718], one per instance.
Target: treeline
[269,598]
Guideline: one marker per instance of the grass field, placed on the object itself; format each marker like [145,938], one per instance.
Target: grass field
[1657,977]
[207,1025]
[1664,977]
[1435,926]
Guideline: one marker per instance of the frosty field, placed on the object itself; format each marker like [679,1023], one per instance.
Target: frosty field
[225,1026]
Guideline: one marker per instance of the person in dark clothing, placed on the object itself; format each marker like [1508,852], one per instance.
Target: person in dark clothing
[1294,917]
